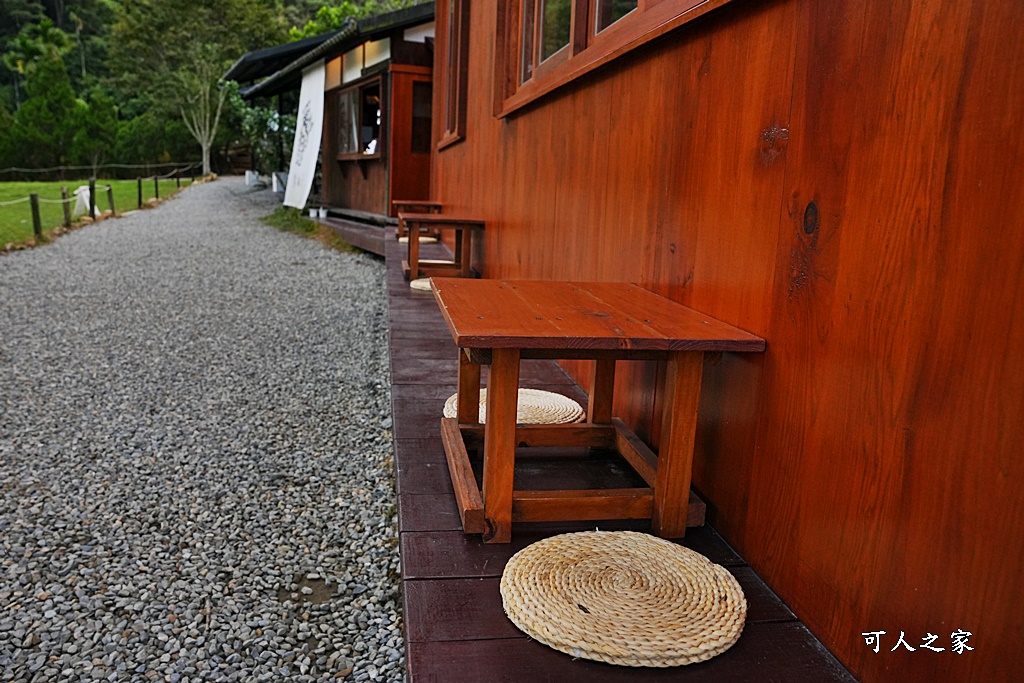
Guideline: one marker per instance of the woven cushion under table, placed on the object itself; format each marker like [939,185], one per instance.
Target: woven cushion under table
[535,406]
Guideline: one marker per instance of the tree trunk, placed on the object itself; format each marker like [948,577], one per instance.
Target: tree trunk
[206,158]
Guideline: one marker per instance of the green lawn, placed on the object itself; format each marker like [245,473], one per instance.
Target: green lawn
[16,220]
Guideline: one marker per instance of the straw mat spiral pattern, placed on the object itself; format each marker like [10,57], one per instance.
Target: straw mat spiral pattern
[623,598]
[535,407]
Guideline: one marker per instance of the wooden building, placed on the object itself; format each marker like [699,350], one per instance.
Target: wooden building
[376,141]
[841,178]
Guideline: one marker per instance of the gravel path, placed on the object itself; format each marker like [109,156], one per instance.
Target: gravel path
[196,480]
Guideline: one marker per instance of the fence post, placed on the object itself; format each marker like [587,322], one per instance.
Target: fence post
[66,203]
[156,185]
[110,199]
[139,179]
[37,224]
[92,199]
[177,177]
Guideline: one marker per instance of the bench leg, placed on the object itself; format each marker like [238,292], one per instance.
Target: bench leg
[469,390]
[500,444]
[675,458]
[414,250]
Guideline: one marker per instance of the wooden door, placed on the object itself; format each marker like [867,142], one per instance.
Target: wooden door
[410,142]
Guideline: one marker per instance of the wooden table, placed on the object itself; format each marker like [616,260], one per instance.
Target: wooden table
[499,322]
[463,226]
[413,206]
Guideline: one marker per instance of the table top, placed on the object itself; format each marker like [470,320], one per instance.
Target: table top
[525,314]
[415,202]
[439,218]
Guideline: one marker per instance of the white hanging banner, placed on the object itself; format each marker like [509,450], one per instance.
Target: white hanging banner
[308,127]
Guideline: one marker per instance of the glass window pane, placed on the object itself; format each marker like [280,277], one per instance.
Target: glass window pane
[610,11]
[526,43]
[556,25]
[370,137]
[421,98]
[348,122]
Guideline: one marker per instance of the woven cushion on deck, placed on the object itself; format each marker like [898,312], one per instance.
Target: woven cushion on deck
[623,598]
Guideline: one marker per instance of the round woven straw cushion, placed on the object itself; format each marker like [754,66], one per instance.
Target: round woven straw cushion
[421,284]
[623,598]
[535,407]
[424,239]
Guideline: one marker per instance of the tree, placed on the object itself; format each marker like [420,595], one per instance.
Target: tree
[331,17]
[33,43]
[96,132]
[174,52]
[46,124]
[267,132]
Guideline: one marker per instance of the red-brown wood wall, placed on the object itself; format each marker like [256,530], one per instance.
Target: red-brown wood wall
[844,179]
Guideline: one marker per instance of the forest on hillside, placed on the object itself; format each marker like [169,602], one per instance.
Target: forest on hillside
[96,82]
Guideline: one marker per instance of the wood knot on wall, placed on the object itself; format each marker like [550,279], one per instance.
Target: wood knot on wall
[774,140]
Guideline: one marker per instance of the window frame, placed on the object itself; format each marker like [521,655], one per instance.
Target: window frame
[588,49]
[456,70]
[359,86]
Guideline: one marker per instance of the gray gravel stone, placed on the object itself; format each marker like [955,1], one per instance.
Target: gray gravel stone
[194,414]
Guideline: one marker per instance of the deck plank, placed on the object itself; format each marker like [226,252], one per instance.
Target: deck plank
[470,609]
[784,651]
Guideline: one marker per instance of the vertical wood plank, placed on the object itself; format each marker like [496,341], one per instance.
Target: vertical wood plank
[679,424]
[500,444]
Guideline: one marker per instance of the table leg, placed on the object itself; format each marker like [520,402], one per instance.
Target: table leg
[458,245]
[500,444]
[401,228]
[602,385]
[465,258]
[413,230]
[675,458]
[469,390]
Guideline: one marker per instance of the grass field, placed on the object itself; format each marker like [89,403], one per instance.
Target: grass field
[16,220]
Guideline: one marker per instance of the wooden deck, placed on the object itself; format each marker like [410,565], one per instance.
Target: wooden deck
[455,627]
[362,235]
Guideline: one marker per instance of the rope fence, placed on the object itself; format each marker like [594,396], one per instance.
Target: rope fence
[95,169]
[35,200]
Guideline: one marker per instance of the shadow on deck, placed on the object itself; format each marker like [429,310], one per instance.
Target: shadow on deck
[455,627]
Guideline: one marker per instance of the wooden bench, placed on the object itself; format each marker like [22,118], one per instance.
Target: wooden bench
[500,322]
[464,228]
[413,206]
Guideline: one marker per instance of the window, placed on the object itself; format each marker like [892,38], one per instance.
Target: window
[359,121]
[544,44]
[456,71]
[547,27]
[422,94]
